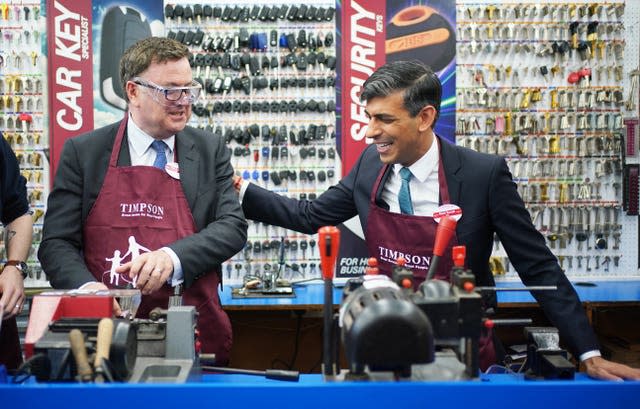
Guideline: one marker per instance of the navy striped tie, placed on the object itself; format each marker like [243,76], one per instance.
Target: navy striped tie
[161,156]
[404,196]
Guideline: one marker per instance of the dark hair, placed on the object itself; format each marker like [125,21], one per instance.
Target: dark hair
[420,84]
[137,58]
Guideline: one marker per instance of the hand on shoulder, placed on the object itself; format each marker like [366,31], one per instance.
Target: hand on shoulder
[237,183]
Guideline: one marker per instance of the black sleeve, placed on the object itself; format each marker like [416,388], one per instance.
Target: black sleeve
[60,251]
[13,194]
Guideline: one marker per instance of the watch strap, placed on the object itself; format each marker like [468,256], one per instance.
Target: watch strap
[19,264]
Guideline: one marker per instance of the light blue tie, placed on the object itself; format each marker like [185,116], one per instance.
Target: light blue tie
[404,196]
[161,156]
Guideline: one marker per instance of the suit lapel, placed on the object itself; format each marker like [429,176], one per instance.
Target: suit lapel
[452,165]
[188,159]
[124,157]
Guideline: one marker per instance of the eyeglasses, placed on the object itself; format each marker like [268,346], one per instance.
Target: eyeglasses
[172,94]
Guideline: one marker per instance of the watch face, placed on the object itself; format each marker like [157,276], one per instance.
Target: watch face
[24,267]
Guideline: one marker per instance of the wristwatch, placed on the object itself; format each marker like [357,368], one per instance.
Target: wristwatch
[20,265]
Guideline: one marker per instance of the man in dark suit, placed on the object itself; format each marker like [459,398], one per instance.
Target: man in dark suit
[406,160]
[148,202]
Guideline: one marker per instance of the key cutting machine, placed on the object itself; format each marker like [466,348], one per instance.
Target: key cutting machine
[389,331]
[71,336]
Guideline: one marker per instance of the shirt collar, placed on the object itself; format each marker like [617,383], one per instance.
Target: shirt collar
[141,141]
[424,166]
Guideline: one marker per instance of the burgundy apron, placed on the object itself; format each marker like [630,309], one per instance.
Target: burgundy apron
[140,209]
[392,235]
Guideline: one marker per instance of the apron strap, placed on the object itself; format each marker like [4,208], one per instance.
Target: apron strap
[376,185]
[113,161]
[442,182]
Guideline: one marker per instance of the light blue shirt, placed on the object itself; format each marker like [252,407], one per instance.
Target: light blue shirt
[425,190]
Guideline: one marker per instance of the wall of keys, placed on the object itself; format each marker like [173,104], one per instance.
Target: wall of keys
[23,110]
[553,88]
[268,75]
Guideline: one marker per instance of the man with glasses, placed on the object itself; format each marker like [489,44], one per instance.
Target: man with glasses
[147,202]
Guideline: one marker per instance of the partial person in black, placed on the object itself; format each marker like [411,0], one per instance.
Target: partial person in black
[18,229]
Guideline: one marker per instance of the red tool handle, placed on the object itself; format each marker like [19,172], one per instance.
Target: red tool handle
[328,243]
[445,230]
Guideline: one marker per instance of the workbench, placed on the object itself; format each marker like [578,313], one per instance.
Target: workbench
[243,391]
[311,295]
[286,333]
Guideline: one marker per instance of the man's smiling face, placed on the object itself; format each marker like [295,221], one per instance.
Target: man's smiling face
[399,137]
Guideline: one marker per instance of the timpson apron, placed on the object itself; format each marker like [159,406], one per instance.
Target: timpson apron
[141,209]
[389,234]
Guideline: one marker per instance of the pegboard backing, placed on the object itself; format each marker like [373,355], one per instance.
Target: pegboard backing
[628,245]
[277,113]
[632,51]
[631,236]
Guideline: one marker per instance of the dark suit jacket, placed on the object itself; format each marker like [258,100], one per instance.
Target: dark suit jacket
[205,175]
[482,186]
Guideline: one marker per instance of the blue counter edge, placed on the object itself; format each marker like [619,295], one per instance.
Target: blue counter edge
[311,294]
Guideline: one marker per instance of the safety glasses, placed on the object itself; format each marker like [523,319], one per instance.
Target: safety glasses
[170,95]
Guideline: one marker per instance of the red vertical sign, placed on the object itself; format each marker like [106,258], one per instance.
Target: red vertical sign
[363,51]
[70,72]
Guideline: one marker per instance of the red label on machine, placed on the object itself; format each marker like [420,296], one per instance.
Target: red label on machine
[70,72]
[447,210]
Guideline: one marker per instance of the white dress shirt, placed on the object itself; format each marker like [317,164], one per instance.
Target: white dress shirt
[424,187]
[142,154]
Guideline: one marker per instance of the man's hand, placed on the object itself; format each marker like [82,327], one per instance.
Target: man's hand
[149,270]
[12,290]
[237,183]
[117,311]
[599,368]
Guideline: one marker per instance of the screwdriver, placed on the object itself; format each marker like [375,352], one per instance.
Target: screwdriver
[276,374]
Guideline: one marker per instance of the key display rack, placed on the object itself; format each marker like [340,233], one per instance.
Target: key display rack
[553,88]
[268,75]
[550,85]
[23,110]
